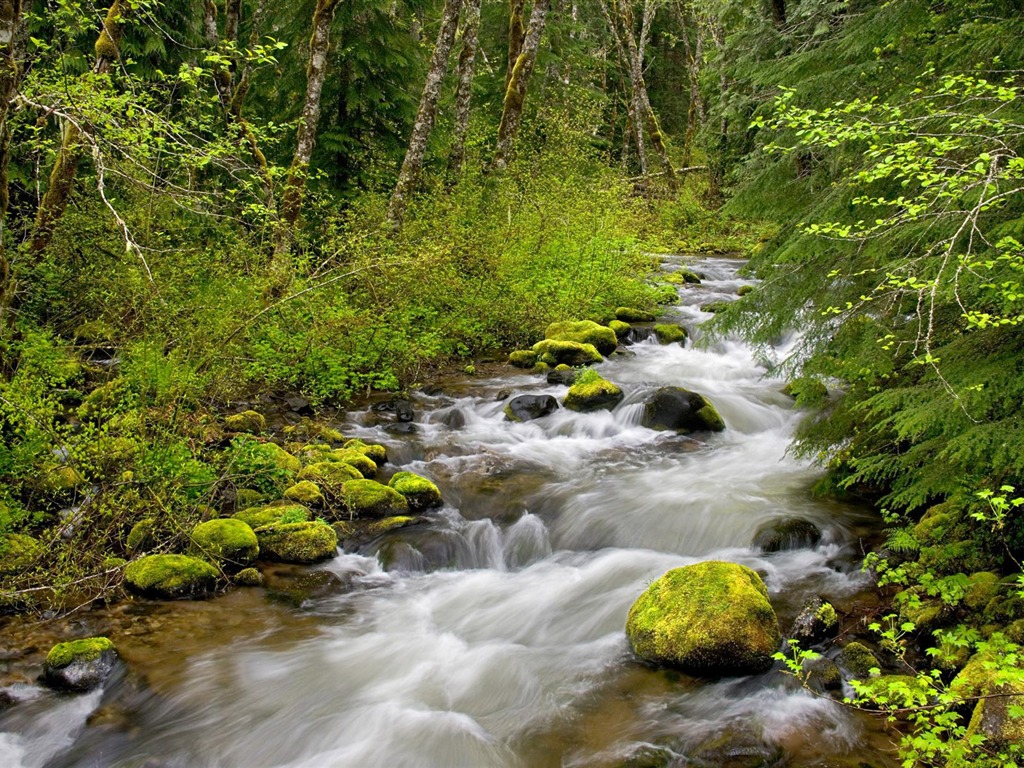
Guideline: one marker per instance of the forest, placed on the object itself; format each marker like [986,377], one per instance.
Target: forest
[212,209]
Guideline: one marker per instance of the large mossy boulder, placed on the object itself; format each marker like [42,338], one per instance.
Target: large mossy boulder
[668,333]
[681,410]
[18,552]
[712,618]
[419,492]
[368,498]
[785,534]
[169,577]
[553,352]
[522,358]
[249,422]
[633,315]
[229,541]
[378,454]
[80,665]
[530,407]
[601,337]
[330,476]
[257,517]
[592,393]
[354,458]
[999,694]
[308,542]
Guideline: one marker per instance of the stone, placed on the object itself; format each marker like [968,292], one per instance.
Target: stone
[781,535]
[601,337]
[681,410]
[633,315]
[522,358]
[257,517]
[368,498]
[80,665]
[309,542]
[669,334]
[712,619]
[419,492]
[169,577]
[250,422]
[305,492]
[563,374]
[814,624]
[530,407]
[858,659]
[592,393]
[228,541]
[554,352]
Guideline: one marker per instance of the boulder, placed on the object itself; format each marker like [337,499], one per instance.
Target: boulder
[419,492]
[638,335]
[553,352]
[530,407]
[563,374]
[621,328]
[354,458]
[668,333]
[681,410]
[330,476]
[248,577]
[592,393]
[814,624]
[858,659]
[786,534]
[246,421]
[257,517]
[712,618]
[601,337]
[308,542]
[523,358]
[992,717]
[368,498]
[80,665]
[633,315]
[228,541]
[378,454]
[305,492]
[169,577]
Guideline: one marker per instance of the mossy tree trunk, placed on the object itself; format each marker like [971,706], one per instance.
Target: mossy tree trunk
[65,167]
[464,93]
[425,115]
[694,53]
[10,73]
[515,93]
[305,141]
[516,35]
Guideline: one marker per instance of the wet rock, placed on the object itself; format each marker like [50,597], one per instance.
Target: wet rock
[80,665]
[298,587]
[400,407]
[419,492]
[502,394]
[601,337]
[572,353]
[453,418]
[737,751]
[638,335]
[353,534]
[248,577]
[648,756]
[681,410]
[229,542]
[668,333]
[712,618]
[621,328]
[299,405]
[308,542]
[401,429]
[368,498]
[563,374]
[823,675]
[592,393]
[169,577]
[781,535]
[530,407]
[814,624]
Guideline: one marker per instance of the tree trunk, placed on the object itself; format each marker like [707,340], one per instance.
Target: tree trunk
[305,140]
[425,115]
[463,96]
[516,35]
[515,93]
[10,72]
[65,167]
[779,13]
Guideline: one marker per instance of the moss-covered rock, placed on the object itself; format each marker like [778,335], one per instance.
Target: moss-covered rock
[141,537]
[418,491]
[229,541]
[816,623]
[601,337]
[823,674]
[621,328]
[368,498]
[378,454]
[367,467]
[714,306]
[247,497]
[563,374]
[80,665]
[250,422]
[858,659]
[992,717]
[634,315]
[669,333]
[170,576]
[592,393]
[523,358]
[712,618]
[744,290]
[248,577]
[305,492]
[257,517]
[18,552]
[807,391]
[281,458]
[681,410]
[982,588]
[553,352]
[309,430]
[308,542]
[330,476]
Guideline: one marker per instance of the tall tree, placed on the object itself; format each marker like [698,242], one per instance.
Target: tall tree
[10,23]
[467,59]
[426,114]
[516,35]
[515,93]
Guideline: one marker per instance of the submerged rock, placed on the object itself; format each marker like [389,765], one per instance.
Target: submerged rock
[530,407]
[601,337]
[780,535]
[592,393]
[419,492]
[169,577]
[80,665]
[308,542]
[681,410]
[712,618]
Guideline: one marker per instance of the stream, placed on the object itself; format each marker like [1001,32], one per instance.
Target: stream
[492,635]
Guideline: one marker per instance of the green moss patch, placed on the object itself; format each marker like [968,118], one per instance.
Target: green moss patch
[305,492]
[257,517]
[523,358]
[250,422]
[18,552]
[355,458]
[368,498]
[228,540]
[601,337]
[553,352]
[170,576]
[669,334]
[378,454]
[634,315]
[418,491]
[592,393]
[308,542]
[86,649]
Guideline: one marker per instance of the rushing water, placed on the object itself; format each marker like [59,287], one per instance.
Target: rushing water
[493,634]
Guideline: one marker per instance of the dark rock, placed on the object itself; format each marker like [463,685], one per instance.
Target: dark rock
[681,410]
[401,428]
[299,404]
[530,407]
[80,665]
[638,334]
[789,534]
[816,623]
[503,394]
[403,411]
[563,375]
[454,418]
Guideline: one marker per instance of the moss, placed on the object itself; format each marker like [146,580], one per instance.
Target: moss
[141,537]
[105,399]
[60,478]
[246,421]
[17,552]
[935,524]
[675,278]
[553,352]
[712,419]
[665,293]
[668,333]
[523,358]
[826,614]
[113,563]
[229,540]
[281,458]
[621,328]
[330,476]
[418,491]
[807,391]
[982,588]
[170,576]
[633,315]
[379,527]
[540,369]
[378,454]
[308,542]
[354,458]
[744,290]
[248,577]
[714,306]
[601,337]
[709,618]
[858,659]
[368,498]
[256,517]
[247,497]
[305,492]
[592,393]
[308,430]
[86,649]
